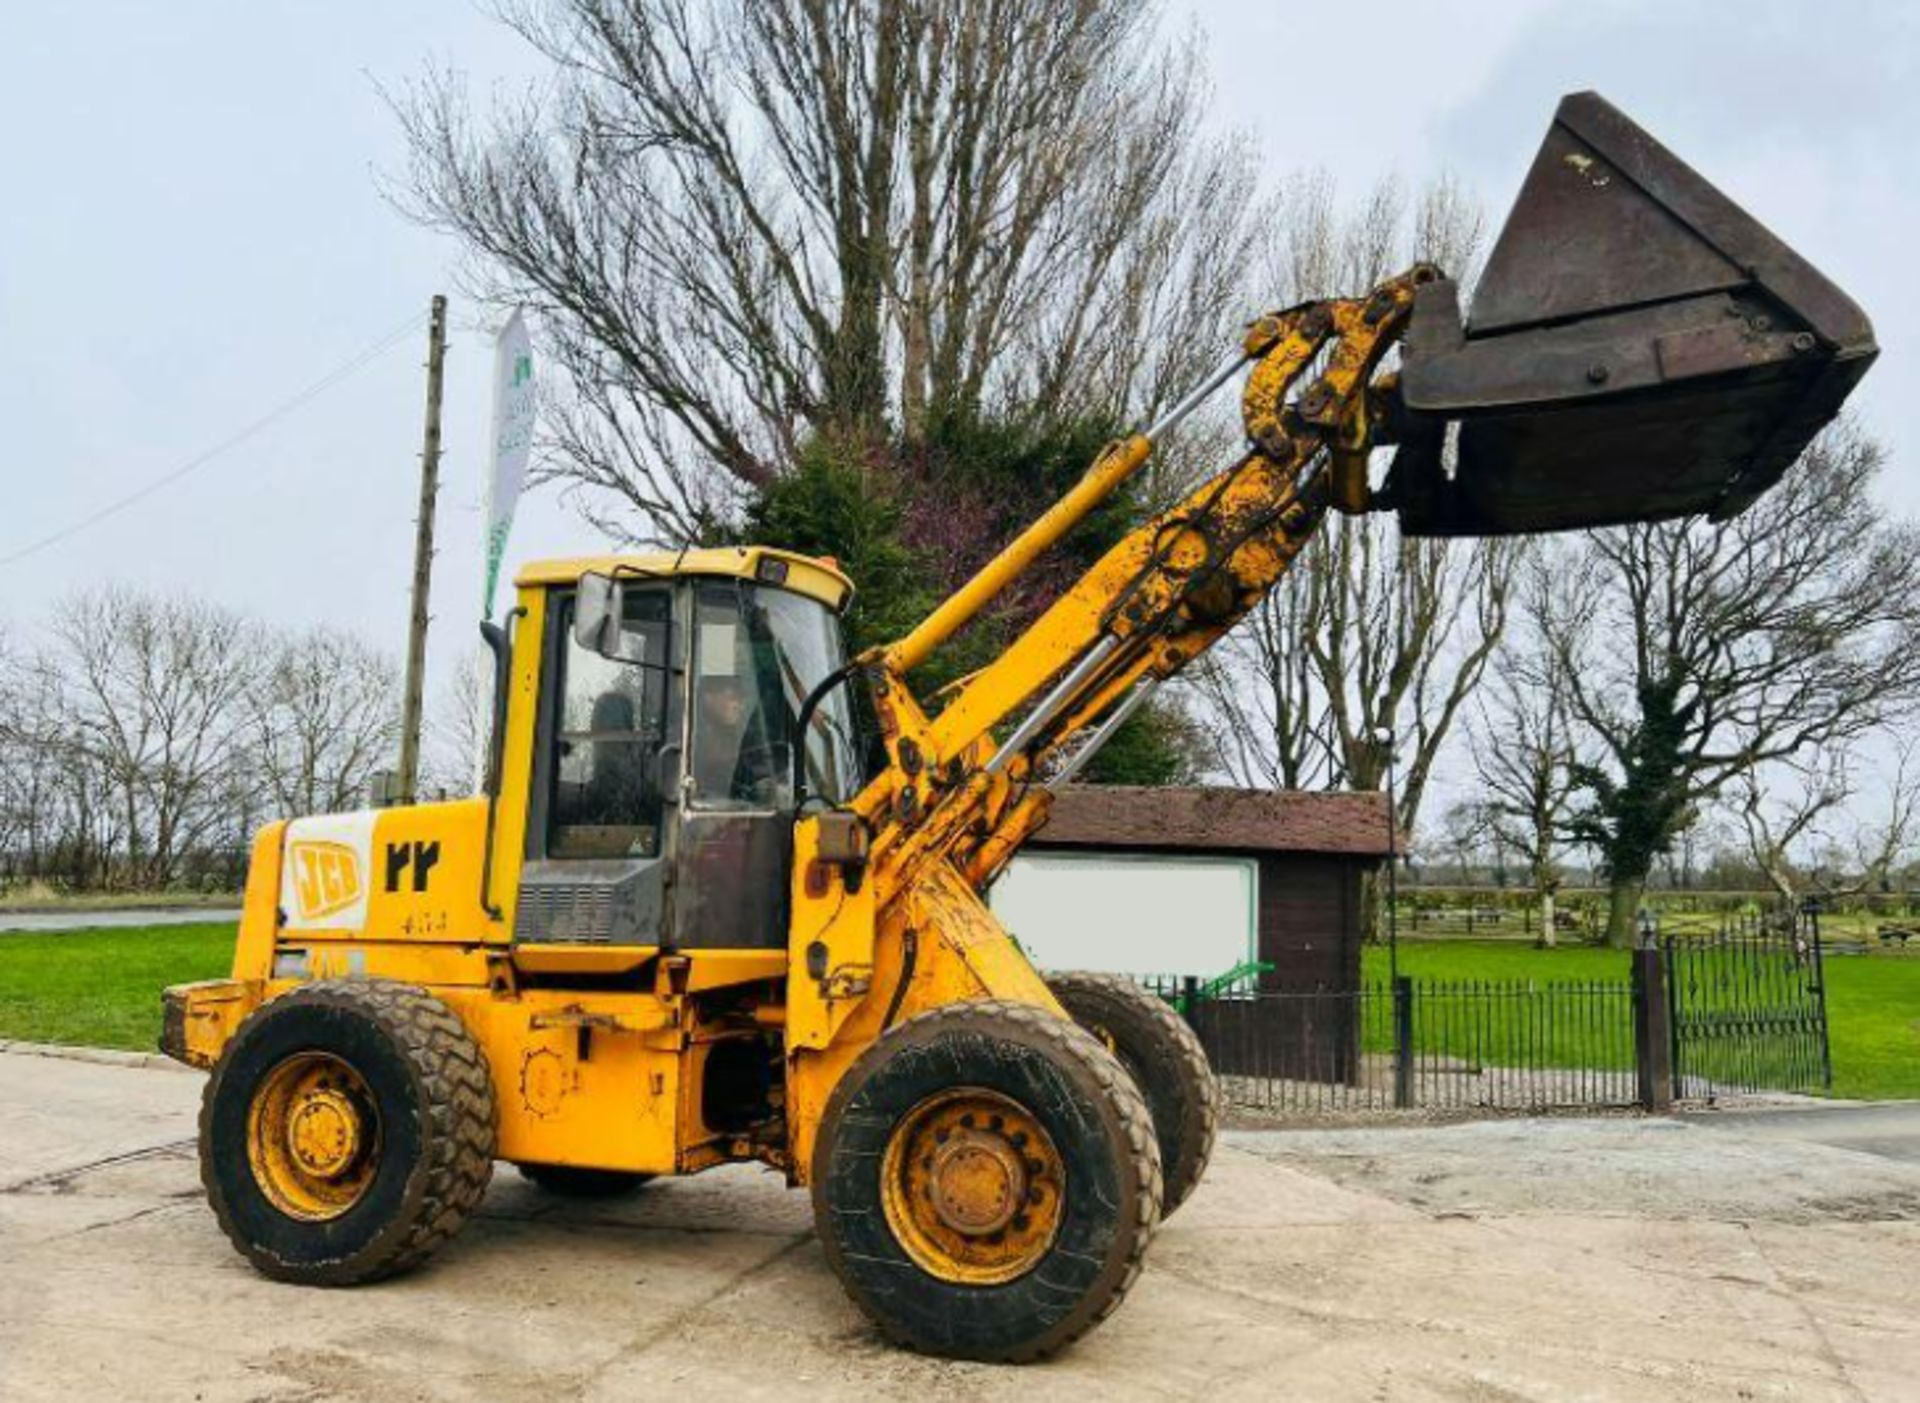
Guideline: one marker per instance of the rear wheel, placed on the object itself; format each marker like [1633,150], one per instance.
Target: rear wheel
[571,1181]
[346,1132]
[1167,1063]
[986,1181]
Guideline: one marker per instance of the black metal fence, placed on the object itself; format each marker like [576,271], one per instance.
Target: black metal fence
[1418,1043]
[1749,1013]
[1695,1018]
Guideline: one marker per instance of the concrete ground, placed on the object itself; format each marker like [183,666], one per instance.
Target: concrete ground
[1542,1259]
[1890,1129]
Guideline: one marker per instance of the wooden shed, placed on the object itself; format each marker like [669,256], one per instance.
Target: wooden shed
[1306,854]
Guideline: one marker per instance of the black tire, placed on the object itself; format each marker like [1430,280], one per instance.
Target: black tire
[572,1181]
[1166,1062]
[430,1089]
[1106,1211]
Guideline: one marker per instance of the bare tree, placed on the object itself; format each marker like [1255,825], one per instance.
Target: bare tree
[153,690]
[1524,758]
[1375,634]
[69,826]
[1809,833]
[17,801]
[461,725]
[1781,817]
[1268,726]
[322,713]
[749,222]
[1885,844]
[1697,652]
[1464,832]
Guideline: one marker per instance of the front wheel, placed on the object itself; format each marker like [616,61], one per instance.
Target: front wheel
[986,1181]
[346,1132]
[1166,1061]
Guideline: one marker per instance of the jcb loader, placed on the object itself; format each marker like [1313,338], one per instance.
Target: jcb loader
[683,927]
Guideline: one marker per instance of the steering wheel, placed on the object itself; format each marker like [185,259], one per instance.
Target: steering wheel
[764,767]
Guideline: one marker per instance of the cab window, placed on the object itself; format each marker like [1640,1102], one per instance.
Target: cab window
[609,730]
[757,653]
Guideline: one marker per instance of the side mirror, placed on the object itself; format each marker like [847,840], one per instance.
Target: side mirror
[596,614]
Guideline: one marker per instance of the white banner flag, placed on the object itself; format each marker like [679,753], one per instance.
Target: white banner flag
[513,407]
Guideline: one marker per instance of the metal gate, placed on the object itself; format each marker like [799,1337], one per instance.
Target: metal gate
[1749,1012]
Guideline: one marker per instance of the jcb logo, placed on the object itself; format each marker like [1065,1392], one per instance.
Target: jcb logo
[326,878]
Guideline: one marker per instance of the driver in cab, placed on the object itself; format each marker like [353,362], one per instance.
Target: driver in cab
[731,756]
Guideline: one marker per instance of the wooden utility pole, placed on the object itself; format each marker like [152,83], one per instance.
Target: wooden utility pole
[408,780]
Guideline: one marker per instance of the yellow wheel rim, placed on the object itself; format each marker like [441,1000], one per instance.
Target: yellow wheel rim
[973,1187]
[313,1136]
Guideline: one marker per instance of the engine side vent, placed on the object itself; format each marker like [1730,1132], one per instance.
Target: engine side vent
[588,903]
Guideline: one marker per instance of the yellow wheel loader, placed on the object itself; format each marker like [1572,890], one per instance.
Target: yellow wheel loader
[685,926]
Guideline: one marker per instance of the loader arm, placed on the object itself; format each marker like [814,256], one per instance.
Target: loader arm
[1148,608]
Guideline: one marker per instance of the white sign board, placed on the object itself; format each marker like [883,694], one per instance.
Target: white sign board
[513,412]
[1131,915]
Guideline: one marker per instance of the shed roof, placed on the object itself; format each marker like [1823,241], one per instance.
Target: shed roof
[1204,818]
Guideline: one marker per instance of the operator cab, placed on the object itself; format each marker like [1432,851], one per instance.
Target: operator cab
[662,785]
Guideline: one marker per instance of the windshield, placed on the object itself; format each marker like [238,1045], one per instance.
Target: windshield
[758,652]
[806,639]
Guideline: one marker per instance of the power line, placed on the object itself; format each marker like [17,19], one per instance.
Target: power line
[319,387]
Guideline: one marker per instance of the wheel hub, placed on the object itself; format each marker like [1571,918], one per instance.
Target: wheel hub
[972,1186]
[979,1183]
[313,1136]
[323,1133]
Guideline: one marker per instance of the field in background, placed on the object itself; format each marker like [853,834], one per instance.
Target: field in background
[38,896]
[1873,1001]
[102,988]
[1509,913]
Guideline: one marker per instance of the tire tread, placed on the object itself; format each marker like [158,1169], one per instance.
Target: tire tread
[1073,1044]
[1200,1111]
[458,1109]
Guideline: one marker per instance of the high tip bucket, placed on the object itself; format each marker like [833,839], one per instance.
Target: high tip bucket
[1639,348]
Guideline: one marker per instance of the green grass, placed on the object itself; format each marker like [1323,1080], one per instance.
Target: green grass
[1498,959]
[101,988]
[1873,1005]
[1462,1018]
[1873,1023]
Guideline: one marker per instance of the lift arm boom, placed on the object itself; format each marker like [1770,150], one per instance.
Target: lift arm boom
[1155,602]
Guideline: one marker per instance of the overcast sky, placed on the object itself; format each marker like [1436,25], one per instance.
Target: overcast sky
[191,232]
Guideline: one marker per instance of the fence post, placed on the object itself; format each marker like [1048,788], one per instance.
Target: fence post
[1403,1041]
[1818,956]
[1652,1029]
[1190,1000]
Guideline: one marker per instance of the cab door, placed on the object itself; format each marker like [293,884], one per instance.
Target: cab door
[756,651]
[735,819]
[606,769]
